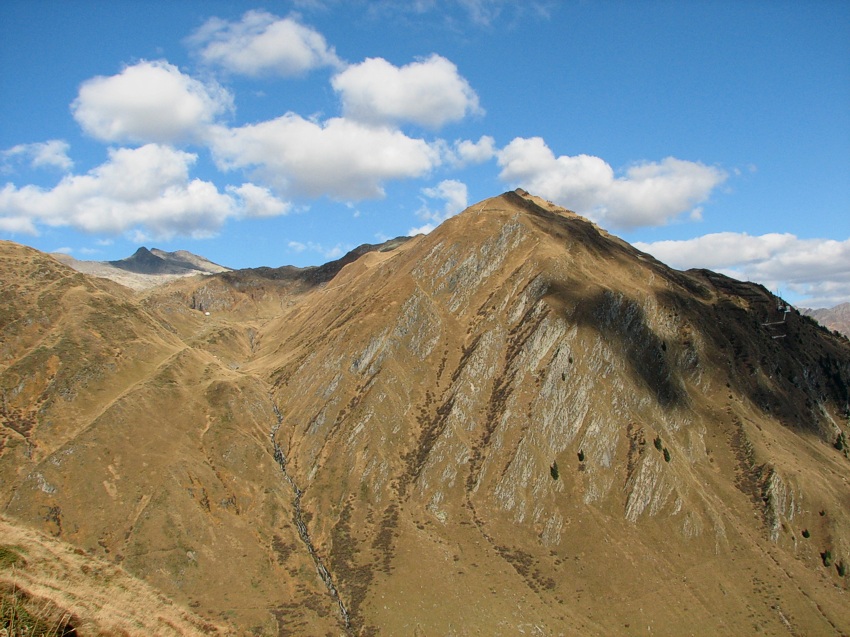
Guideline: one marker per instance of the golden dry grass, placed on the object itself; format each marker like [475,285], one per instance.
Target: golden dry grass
[50,588]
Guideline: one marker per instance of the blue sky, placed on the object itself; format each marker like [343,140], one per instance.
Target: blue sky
[711,134]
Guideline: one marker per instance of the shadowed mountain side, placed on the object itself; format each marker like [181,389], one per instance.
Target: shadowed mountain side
[314,275]
[250,294]
[143,261]
[517,424]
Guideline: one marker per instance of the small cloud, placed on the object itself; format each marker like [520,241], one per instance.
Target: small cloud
[486,12]
[428,228]
[468,152]
[52,154]
[262,44]
[138,236]
[63,250]
[453,193]
[427,92]
[460,15]
[482,12]
[258,201]
[329,253]
[335,252]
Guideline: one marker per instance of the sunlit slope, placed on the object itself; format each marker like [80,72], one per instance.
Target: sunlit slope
[50,587]
[515,424]
[474,420]
[144,448]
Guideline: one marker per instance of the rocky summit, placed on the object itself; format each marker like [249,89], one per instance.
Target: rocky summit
[517,424]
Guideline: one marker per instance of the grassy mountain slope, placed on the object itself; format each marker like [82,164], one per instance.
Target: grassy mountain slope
[52,588]
[430,394]
[515,424]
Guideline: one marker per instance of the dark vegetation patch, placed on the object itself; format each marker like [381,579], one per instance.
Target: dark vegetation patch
[53,517]
[637,447]
[10,556]
[385,539]
[749,477]
[503,386]
[282,549]
[431,429]
[16,419]
[526,567]
[353,578]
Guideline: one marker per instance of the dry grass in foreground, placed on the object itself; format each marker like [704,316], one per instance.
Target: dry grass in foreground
[49,588]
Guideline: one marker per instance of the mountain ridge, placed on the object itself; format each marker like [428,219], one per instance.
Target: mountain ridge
[518,419]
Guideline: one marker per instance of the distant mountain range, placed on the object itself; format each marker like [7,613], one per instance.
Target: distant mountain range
[145,268]
[835,318]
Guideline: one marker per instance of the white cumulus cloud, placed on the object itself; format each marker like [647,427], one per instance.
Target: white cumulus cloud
[340,158]
[151,101]
[455,197]
[143,188]
[427,92]
[818,270]
[647,194]
[262,44]
[52,153]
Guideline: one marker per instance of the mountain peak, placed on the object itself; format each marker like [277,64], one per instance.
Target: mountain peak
[504,411]
[142,261]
